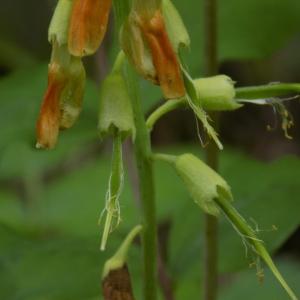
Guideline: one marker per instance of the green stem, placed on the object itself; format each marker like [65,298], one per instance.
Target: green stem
[144,164]
[164,109]
[118,260]
[165,157]
[267,91]
[146,184]
[212,155]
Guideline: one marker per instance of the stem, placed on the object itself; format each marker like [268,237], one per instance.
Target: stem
[165,157]
[146,184]
[211,223]
[145,171]
[267,91]
[163,110]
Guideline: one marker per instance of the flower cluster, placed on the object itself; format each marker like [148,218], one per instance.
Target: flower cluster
[77,30]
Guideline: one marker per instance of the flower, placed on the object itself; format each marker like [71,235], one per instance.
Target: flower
[145,41]
[87,26]
[63,99]
[48,122]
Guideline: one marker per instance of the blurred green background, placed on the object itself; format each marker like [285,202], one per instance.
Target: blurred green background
[50,201]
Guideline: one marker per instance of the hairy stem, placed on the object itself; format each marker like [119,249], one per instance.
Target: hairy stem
[211,223]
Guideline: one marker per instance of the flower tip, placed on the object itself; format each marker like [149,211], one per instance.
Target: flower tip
[47,127]
[47,134]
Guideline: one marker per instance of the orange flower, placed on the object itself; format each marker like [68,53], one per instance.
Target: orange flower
[48,121]
[63,99]
[145,40]
[88,26]
[163,56]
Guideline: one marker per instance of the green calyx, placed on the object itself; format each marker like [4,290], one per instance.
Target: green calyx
[176,29]
[59,25]
[115,112]
[202,182]
[217,93]
[118,260]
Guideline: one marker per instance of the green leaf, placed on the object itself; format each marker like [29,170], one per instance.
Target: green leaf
[248,29]
[246,286]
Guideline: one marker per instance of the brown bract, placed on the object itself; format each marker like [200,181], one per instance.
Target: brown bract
[117,285]
[163,56]
[47,127]
[88,26]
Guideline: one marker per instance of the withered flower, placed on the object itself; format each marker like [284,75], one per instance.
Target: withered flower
[163,56]
[48,122]
[117,285]
[145,40]
[88,26]
[63,99]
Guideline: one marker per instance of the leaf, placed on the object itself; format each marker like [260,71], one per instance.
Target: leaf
[246,286]
[54,266]
[248,29]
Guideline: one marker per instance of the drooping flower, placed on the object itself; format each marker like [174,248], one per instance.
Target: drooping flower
[63,99]
[115,119]
[88,26]
[48,122]
[145,40]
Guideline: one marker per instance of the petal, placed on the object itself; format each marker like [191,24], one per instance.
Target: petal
[48,122]
[88,26]
[163,56]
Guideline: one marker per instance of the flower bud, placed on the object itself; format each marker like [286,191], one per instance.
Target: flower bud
[202,182]
[63,99]
[115,111]
[59,26]
[88,26]
[217,93]
[145,41]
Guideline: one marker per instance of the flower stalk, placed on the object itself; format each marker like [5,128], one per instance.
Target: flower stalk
[144,162]
[143,154]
